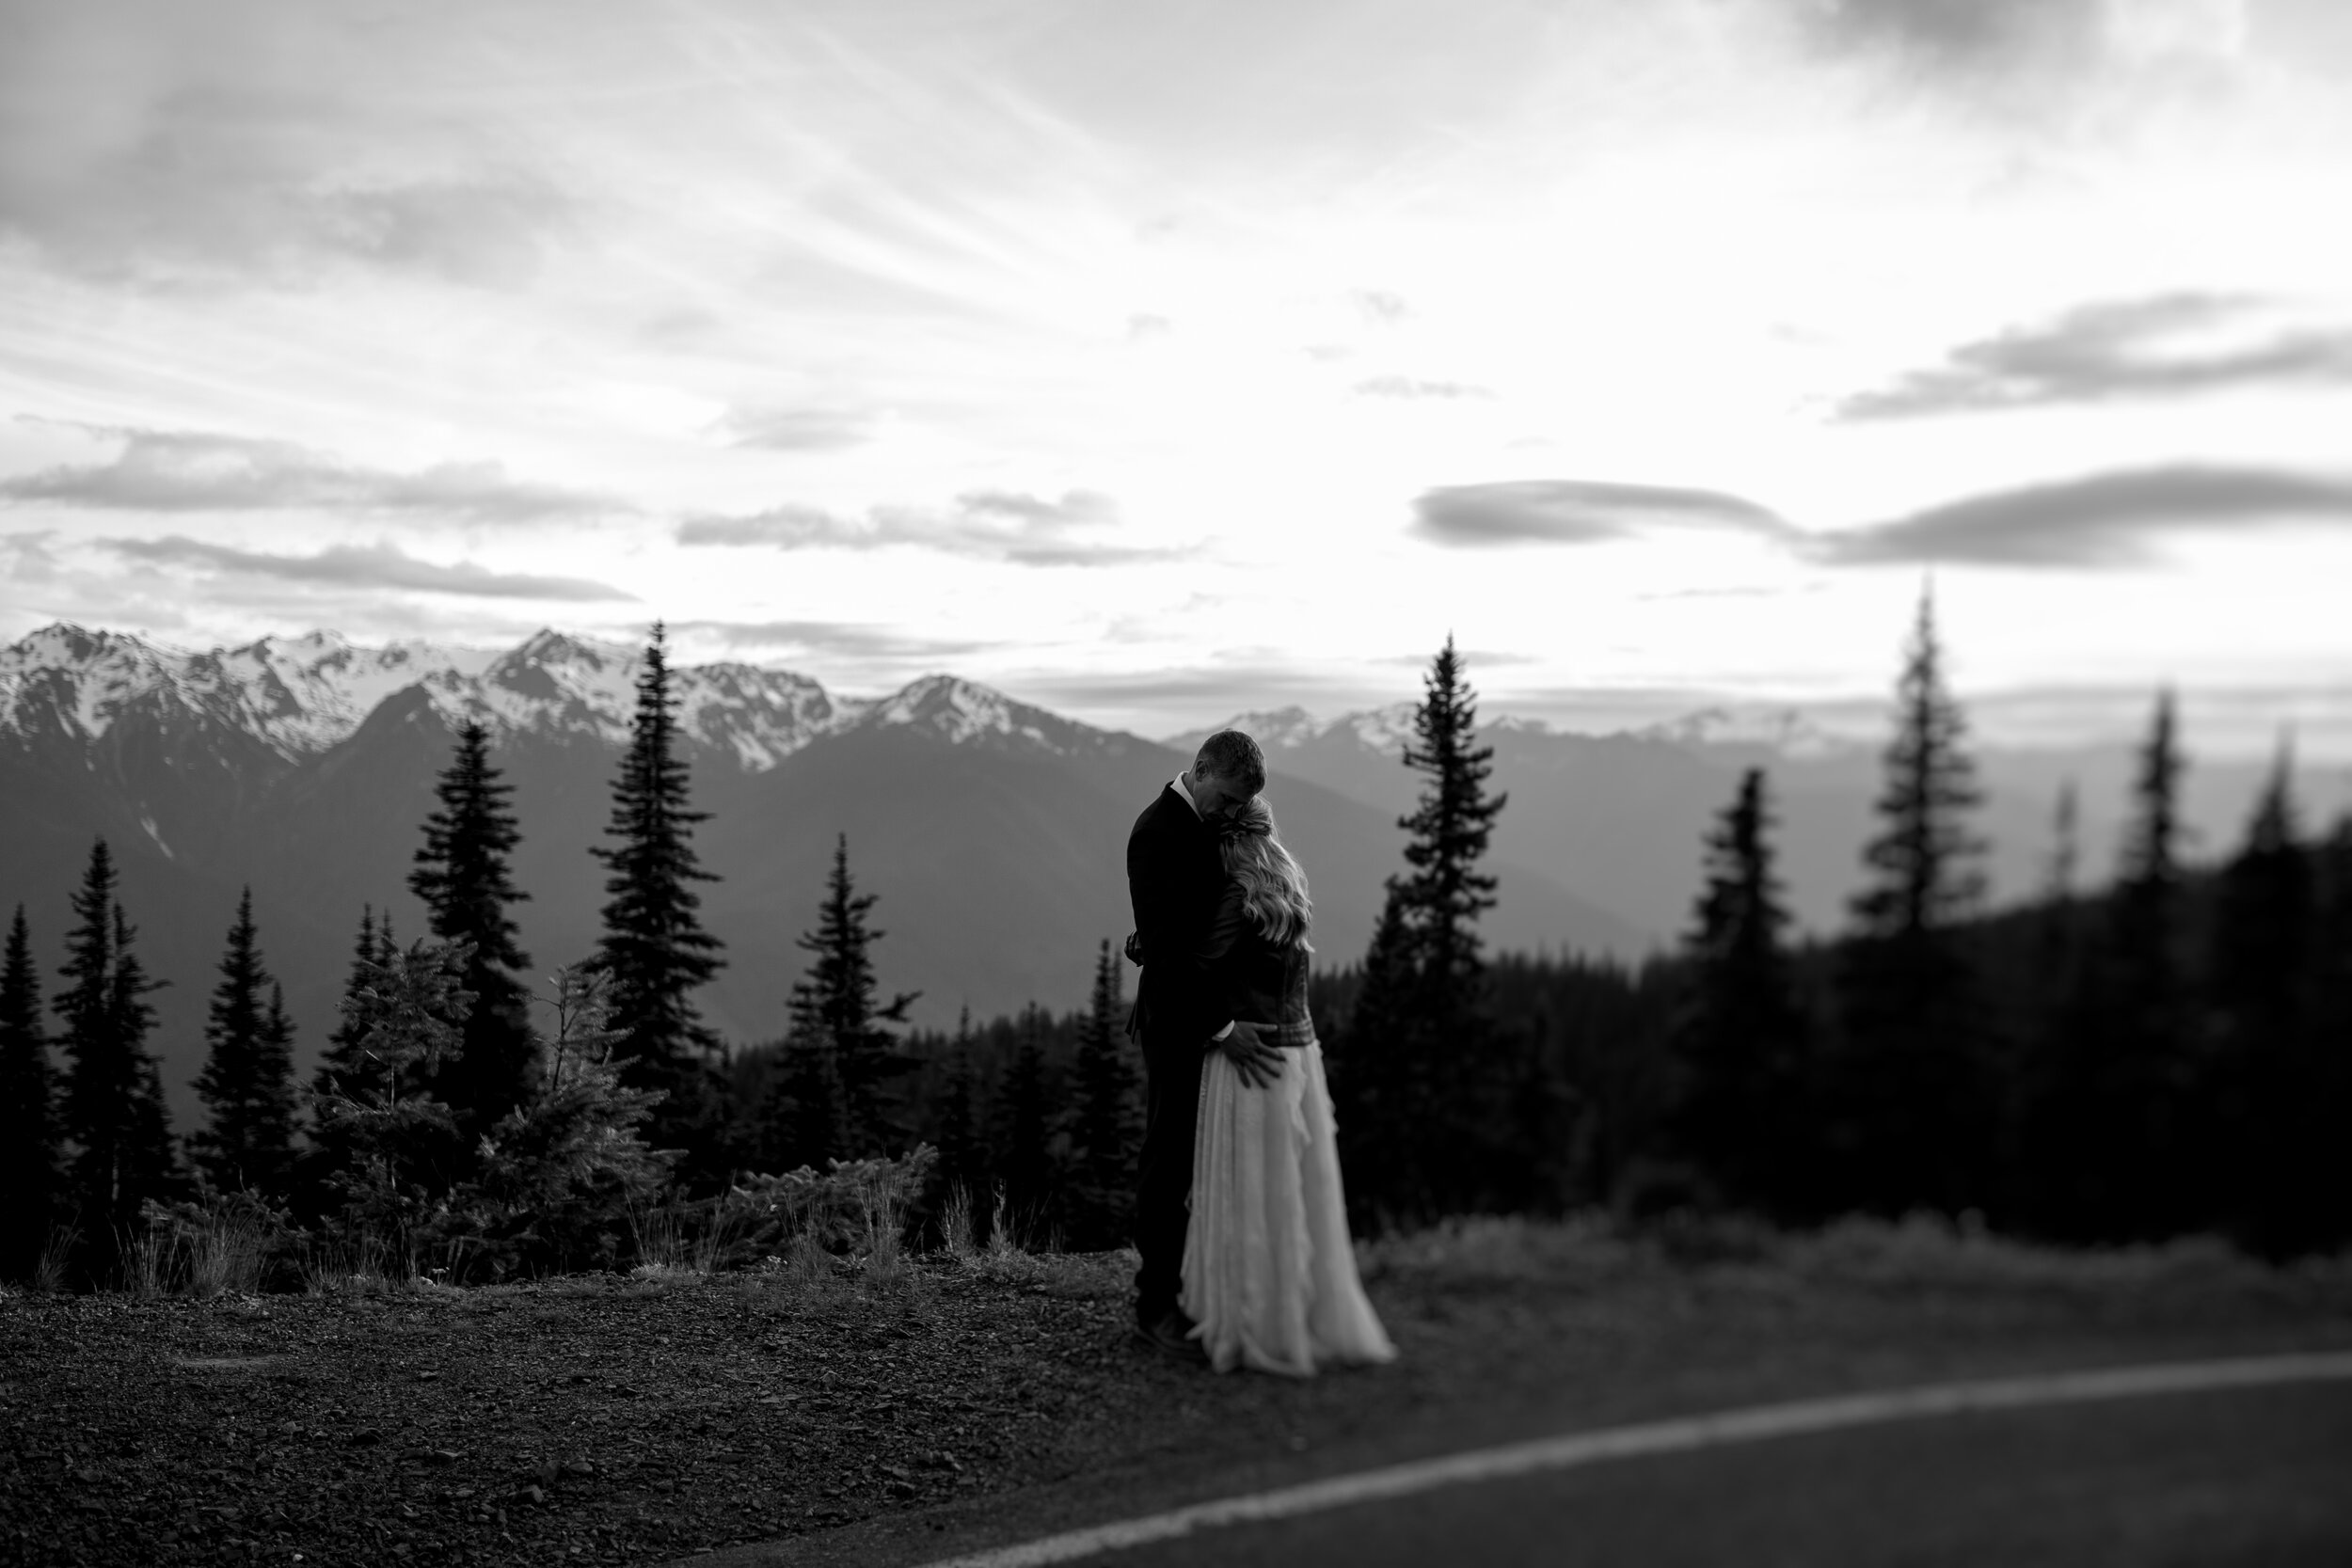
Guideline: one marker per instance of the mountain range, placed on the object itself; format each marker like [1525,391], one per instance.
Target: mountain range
[993,830]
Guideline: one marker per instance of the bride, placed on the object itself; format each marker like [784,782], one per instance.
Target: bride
[1269,1272]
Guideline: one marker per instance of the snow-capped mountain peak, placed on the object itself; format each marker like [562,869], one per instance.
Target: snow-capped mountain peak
[301,695]
[1276,729]
[964,712]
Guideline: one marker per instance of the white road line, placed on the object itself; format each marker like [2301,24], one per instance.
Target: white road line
[1669,1436]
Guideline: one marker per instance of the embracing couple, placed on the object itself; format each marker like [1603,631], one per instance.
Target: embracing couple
[1240,1217]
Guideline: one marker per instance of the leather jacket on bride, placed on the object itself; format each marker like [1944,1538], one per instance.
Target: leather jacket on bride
[1257,981]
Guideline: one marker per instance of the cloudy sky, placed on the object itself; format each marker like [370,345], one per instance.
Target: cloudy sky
[1153,362]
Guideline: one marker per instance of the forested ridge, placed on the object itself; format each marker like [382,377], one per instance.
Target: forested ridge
[2167,1051]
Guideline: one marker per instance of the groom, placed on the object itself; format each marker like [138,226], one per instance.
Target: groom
[1174,877]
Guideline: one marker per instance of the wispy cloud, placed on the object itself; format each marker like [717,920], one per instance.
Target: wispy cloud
[1577,511]
[151,144]
[847,639]
[1960,34]
[798,429]
[2034,66]
[990,524]
[382,567]
[2158,347]
[1413,387]
[170,471]
[2102,520]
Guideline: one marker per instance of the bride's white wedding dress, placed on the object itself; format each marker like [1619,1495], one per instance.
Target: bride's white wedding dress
[1269,1271]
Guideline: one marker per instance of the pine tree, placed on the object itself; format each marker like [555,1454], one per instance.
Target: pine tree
[405,1151]
[463,879]
[1742,1035]
[2145,1049]
[1444,892]
[2274,1121]
[113,1102]
[562,1173]
[654,949]
[344,1065]
[1026,1165]
[247,1080]
[1382,1073]
[345,1071]
[2331,1027]
[962,1158]
[1918,1113]
[834,1011]
[31,1174]
[1103,1122]
[1425,1060]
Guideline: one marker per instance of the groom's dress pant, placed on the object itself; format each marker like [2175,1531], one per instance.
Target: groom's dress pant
[1171,1103]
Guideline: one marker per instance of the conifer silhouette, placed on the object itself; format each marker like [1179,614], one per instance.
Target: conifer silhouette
[2274,1121]
[247,1080]
[1742,1034]
[2130,1179]
[114,1102]
[1026,1162]
[32,1176]
[1918,1115]
[463,878]
[1104,1130]
[1427,1070]
[963,1156]
[834,1011]
[654,950]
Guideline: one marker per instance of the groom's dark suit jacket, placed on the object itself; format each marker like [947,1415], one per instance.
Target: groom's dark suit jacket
[1175,877]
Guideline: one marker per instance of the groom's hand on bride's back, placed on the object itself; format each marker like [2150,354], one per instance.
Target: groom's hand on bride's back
[1257,1061]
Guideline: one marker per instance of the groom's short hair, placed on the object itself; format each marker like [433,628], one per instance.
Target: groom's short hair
[1234,757]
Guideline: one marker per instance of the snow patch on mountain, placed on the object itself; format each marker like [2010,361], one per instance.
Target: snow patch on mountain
[302,695]
[962,712]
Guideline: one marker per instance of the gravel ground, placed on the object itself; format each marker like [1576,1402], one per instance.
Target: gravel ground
[613,1420]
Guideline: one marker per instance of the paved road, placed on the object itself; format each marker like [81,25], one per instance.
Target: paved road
[2245,1461]
[2243,1476]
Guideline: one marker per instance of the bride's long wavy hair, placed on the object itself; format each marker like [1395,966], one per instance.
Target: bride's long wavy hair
[1273,884]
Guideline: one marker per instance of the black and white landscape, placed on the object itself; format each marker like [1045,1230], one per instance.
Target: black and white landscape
[991,829]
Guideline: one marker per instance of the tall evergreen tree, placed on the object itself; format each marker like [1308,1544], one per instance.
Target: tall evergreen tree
[344,1065]
[346,1070]
[1444,892]
[31,1174]
[2146,1049]
[463,878]
[1382,1074]
[1104,1120]
[1742,1036]
[962,1155]
[1026,1162]
[654,950]
[2275,1121]
[1425,1058]
[834,1011]
[113,1102]
[1917,1122]
[2331,1027]
[247,1080]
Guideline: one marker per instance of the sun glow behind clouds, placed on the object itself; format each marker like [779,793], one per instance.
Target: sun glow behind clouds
[1261,279]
